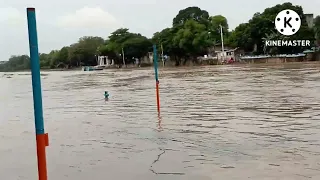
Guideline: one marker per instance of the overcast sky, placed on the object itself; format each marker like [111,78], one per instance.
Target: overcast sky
[62,22]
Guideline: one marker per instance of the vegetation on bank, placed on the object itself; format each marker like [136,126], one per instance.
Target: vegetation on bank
[193,31]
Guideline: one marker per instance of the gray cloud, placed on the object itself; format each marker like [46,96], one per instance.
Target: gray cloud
[62,22]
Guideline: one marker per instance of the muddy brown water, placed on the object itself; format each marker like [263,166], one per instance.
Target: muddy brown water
[223,122]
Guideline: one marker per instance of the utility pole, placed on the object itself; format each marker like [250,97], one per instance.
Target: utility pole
[162,55]
[124,62]
[222,47]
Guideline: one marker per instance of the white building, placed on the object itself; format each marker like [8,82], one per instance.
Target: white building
[104,61]
[228,54]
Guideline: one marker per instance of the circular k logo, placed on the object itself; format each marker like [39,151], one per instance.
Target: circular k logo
[288,22]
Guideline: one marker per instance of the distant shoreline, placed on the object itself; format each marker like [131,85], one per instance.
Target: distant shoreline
[178,67]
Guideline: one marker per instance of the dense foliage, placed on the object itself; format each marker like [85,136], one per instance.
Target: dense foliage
[193,31]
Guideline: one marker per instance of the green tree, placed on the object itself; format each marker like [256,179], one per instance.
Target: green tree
[240,37]
[44,60]
[165,38]
[191,13]
[134,46]
[16,63]
[317,29]
[193,39]
[64,55]
[53,59]
[193,31]
[137,47]
[84,51]
[262,24]
[214,28]
[107,50]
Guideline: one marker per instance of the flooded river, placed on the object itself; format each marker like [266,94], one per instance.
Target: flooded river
[219,122]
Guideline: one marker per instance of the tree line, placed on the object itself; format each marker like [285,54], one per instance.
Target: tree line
[192,34]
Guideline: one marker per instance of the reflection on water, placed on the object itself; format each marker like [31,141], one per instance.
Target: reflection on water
[160,123]
[222,122]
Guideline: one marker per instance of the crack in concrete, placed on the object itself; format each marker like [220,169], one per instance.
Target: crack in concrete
[162,173]
[159,155]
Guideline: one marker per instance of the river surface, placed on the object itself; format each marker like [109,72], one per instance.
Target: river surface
[220,122]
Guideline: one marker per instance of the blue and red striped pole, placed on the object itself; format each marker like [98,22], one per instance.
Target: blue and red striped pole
[41,137]
[155,64]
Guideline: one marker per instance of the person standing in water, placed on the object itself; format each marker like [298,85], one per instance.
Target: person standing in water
[106,95]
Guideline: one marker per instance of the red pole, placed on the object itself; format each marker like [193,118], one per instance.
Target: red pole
[42,142]
[158,97]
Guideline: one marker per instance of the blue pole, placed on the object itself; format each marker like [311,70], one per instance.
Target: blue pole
[35,70]
[155,62]
[41,137]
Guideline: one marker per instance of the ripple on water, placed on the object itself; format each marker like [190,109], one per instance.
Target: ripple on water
[224,122]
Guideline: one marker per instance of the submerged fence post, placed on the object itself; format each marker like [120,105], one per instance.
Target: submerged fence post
[41,137]
[155,64]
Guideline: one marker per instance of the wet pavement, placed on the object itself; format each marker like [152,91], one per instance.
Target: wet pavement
[220,122]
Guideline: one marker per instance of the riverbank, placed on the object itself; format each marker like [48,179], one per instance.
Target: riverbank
[171,64]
